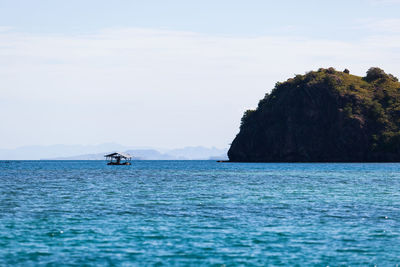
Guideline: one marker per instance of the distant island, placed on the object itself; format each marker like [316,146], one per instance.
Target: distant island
[97,152]
[186,153]
[324,116]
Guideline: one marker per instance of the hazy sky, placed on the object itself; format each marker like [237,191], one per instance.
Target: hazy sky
[170,73]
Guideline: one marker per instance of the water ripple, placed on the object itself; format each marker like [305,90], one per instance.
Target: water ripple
[198,213]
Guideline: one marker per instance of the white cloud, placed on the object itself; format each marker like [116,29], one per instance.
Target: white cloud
[389,25]
[5,28]
[155,87]
[380,2]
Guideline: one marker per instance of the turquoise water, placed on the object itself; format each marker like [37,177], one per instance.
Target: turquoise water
[198,213]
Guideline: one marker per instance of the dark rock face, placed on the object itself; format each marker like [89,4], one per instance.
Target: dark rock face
[324,116]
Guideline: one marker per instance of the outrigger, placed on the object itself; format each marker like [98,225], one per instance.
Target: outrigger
[118,158]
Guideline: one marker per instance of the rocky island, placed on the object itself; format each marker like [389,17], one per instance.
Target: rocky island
[324,116]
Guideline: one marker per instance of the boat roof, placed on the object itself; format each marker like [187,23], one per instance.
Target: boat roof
[118,154]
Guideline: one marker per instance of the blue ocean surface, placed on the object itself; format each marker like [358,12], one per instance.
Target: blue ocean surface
[198,213]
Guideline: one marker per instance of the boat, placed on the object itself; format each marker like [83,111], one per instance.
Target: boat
[118,158]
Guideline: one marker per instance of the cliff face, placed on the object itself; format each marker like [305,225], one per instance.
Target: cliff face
[324,116]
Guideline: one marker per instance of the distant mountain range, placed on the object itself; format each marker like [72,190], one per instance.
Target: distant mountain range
[96,152]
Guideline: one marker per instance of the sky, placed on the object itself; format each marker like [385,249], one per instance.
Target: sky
[171,73]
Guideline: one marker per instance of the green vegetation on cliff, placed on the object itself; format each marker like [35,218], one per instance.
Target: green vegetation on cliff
[324,115]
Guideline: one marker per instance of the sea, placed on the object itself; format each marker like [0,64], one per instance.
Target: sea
[199,213]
